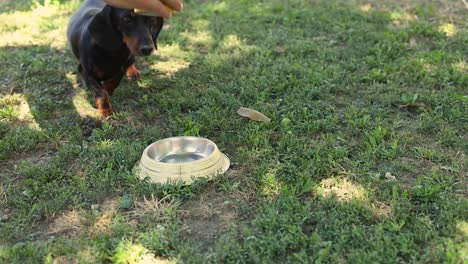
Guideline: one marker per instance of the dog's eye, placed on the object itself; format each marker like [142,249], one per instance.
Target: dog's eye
[127,20]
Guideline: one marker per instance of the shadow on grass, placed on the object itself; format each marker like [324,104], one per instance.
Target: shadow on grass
[42,100]
[10,6]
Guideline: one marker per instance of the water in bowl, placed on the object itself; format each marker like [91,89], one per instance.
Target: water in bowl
[182,157]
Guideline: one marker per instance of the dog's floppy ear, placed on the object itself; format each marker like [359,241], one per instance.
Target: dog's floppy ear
[103,31]
[156,24]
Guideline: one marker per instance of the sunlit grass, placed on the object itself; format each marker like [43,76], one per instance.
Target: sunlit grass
[343,189]
[270,186]
[218,7]
[15,107]
[230,48]
[448,29]
[80,99]
[461,66]
[82,105]
[403,16]
[366,7]
[201,39]
[174,59]
[128,252]
[45,24]
[463,228]
[233,43]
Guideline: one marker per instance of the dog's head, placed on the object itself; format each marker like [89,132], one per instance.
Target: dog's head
[113,26]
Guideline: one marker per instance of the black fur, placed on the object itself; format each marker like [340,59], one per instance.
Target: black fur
[105,40]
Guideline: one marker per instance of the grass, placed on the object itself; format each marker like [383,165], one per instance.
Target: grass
[364,160]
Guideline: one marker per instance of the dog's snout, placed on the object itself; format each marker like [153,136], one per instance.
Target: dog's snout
[146,50]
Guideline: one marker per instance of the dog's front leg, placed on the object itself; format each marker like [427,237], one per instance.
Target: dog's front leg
[101,95]
[112,83]
[133,73]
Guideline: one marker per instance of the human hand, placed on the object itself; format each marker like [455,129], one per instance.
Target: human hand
[162,8]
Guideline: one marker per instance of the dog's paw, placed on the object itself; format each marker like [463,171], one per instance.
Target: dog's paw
[105,113]
[132,73]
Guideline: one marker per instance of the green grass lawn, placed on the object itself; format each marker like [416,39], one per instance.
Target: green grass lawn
[364,160]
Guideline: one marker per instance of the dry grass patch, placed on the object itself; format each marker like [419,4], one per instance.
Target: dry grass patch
[158,210]
[70,222]
[343,189]
[103,222]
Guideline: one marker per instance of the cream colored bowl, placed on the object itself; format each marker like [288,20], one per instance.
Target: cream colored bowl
[182,158]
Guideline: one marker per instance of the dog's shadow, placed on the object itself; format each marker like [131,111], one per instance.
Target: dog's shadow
[42,84]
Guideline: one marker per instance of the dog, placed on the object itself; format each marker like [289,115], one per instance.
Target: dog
[105,40]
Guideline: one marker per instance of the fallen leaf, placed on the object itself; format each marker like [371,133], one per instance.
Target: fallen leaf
[365,8]
[280,49]
[413,43]
[253,114]
[414,107]
[390,177]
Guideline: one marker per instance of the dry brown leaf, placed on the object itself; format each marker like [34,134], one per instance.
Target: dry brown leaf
[253,114]
[366,7]
[280,49]
[390,177]
[414,107]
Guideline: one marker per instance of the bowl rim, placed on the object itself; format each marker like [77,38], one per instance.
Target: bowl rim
[223,162]
[160,163]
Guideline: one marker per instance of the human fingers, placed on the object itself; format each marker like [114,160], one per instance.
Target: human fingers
[152,7]
[159,8]
[176,5]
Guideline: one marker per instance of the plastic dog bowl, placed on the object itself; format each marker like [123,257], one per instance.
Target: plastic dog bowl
[182,158]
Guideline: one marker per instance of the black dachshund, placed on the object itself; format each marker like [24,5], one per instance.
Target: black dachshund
[106,40]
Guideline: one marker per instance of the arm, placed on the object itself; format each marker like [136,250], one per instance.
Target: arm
[160,7]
